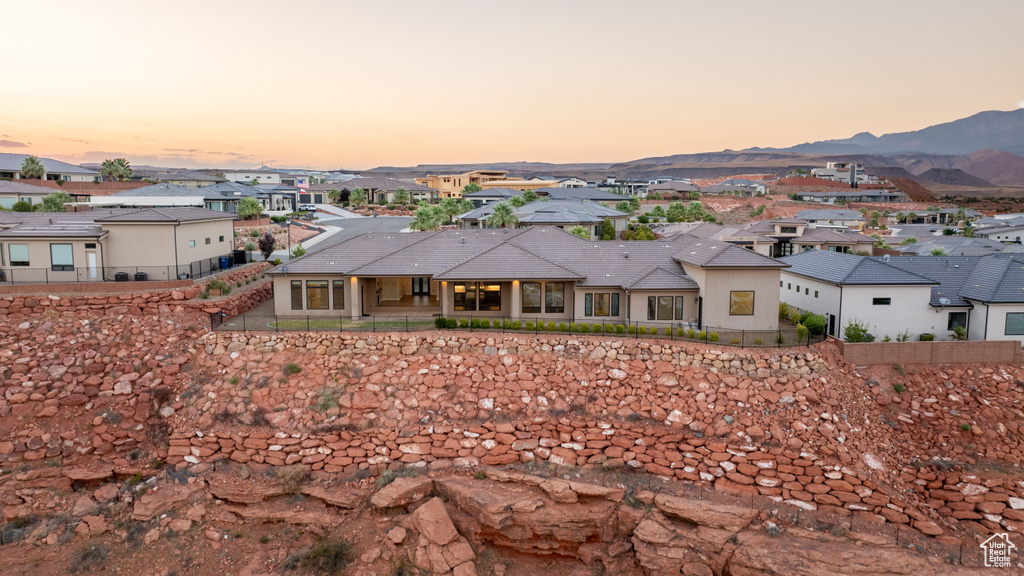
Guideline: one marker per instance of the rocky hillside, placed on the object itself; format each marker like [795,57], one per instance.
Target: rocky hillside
[141,442]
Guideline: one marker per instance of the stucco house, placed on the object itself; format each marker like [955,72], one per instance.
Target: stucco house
[533,273]
[97,245]
[378,190]
[10,167]
[565,214]
[13,191]
[910,294]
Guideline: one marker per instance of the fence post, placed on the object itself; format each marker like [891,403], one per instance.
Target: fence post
[243,323]
[636,328]
[743,338]
[307,322]
[277,324]
[407,324]
[778,339]
[373,323]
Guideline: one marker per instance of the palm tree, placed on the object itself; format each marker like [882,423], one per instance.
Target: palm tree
[32,168]
[529,196]
[449,208]
[357,197]
[425,218]
[116,169]
[503,216]
[334,194]
[581,232]
[470,188]
[401,196]
[517,201]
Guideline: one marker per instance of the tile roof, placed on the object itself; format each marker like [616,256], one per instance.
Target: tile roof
[493,193]
[997,279]
[176,214]
[715,254]
[502,254]
[840,268]
[824,235]
[51,229]
[660,278]
[21,187]
[830,215]
[189,175]
[673,186]
[13,162]
[370,183]
[551,212]
[580,194]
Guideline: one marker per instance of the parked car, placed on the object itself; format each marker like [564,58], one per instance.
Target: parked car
[310,207]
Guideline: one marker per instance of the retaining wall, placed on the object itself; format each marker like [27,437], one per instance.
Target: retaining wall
[972,352]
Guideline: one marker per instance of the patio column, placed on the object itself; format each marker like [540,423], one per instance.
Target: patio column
[444,297]
[517,300]
[355,301]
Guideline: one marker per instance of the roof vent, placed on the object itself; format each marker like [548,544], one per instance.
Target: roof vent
[886,258]
[462,240]
[625,255]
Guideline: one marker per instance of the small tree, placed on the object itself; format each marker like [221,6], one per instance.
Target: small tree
[401,196]
[912,217]
[908,241]
[503,216]
[517,201]
[334,195]
[607,230]
[581,232]
[642,232]
[298,251]
[54,202]
[425,218]
[254,182]
[266,245]
[357,198]
[21,206]
[857,331]
[470,188]
[937,252]
[529,196]
[249,207]
[449,208]
[624,207]
[33,169]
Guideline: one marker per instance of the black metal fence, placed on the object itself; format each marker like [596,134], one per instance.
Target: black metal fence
[198,269]
[678,331]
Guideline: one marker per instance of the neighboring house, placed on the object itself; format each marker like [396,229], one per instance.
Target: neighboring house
[222,197]
[839,197]
[673,187]
[188,178]
[626,186]
[282,196]
[775,238]
[1011,233]
[96,245]
[736,186]
[958,246]
[844,172]
[533,273]
[10,167]
[16,190]
[261,176]
[592,194]
[833,218]
[378,190]
[490,195]
[919,294]
[565,214]
[520,185]
[940,216]
[451,185]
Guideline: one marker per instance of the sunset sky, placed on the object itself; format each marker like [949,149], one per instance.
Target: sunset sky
[329,84]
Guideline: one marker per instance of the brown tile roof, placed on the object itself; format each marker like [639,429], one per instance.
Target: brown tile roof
[374,183]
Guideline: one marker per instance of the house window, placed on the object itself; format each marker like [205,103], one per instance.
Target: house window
[62,258]
[296,294]
[338,294]
[465,296]
[787,230]
[957,319]
[490,297]
[741,303]
[316,294]
[807,291]
[531,297]
[660,307]
[789,285]
[191,243]
[600,304]
[815,293]
[881,301]
[90,246]
[797,288]
[1014,324]
[207,241]
[221,239]
[18,254]
[554,297]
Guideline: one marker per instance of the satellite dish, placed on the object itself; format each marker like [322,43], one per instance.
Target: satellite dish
[944,301]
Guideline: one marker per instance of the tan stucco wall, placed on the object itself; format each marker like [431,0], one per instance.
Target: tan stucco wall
[638,306]
[283,296]
[716,284]
[579,305]
[137,244]
[39,260]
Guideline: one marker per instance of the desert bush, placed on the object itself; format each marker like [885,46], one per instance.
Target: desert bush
[451,323]
[325,557]
[815,324]
[563,327]
[464,323]
[551,327]
[584,328]
[631,329]
[574,327]
[713,337]
[90,559]
[291,368]
[440,323]
[619,329]
[291,478]
[517,325]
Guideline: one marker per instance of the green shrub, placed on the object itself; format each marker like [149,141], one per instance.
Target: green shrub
[794,315]
[857,331]
[801,332]
[551,327]
[574,327]
[250,246]
[965,427]
[440,323]
[899,388]
[815,324]
[529,326]
[597,328]
[758,341]
[254,233]
[780,339]
[927,337]
[783,311]
[474,323]
[485,323]
[642,330]
[735,341]
[584,328]
[702,335]
[451,323]
[680,332]
[277,262]
[563,327]
[691,333]
[517,325]
[713,337]
[506,324]
[292,368]
[631,329]
[619,328]
[464,323]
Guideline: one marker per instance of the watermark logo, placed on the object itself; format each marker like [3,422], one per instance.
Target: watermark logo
[998,550]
